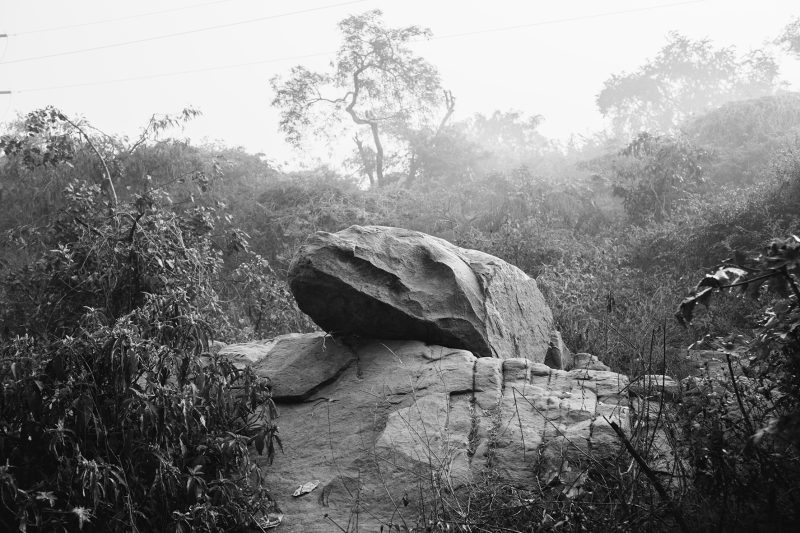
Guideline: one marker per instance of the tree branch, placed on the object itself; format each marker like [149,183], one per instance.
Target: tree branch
[651,476]
[107,173]
[371,123]
[450,103]
[143,136]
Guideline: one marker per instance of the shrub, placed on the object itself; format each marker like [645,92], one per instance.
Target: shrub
[114,415]
[745,135]
[264,306]
[654,173]
[745,430]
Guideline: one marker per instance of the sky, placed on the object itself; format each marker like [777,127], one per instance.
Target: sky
[117,63]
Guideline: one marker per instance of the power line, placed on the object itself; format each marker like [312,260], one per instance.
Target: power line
[117,19]
[187,32]
[169,74]
[319,54]
[568,19]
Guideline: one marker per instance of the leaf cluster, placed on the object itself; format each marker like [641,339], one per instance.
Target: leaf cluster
[774,275]
[378,61]
[44,143]
[115,416]
[745,136]
[653,173]
[790,37]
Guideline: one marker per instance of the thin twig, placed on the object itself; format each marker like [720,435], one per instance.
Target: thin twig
[745,415]
[107,173]
[792,284]
[650,475]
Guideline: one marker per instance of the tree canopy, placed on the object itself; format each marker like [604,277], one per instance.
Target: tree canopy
[686,78]
[790,38]
[746,135]
[376,80]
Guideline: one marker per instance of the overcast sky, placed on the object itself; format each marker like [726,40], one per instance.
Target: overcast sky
[542,57]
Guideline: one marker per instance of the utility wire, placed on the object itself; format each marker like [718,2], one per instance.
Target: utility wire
[187,32]
[319,54]
[117,19]
[169,74]
[568,19]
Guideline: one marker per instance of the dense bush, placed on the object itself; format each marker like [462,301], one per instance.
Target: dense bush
[653,174]
[744,136]
[114,414]
[744,428]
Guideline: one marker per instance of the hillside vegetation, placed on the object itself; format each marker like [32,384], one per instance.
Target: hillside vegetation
[122,261]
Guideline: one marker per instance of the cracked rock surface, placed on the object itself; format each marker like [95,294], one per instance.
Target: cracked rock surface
[400,419]
[384,282]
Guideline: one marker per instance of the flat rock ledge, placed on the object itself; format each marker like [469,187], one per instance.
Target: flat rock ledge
[383,425]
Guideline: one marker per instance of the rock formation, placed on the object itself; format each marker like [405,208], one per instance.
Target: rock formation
[439,365]
[391,283]
[402,419]
[295,364]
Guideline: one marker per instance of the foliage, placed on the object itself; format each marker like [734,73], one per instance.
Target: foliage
[654,173]
[449,156]
[376,80]
[709,229]
[46,149]
[686,78]
[288,210]
[482,146]
[613,497]
[745,429]
[777,339]
[790,38]
[115,417]
[265,308]
[45,142]
[745,136]
[40,153]
[612,242]
[508,133]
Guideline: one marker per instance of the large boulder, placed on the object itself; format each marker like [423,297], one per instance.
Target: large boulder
[383,282]
[408,421]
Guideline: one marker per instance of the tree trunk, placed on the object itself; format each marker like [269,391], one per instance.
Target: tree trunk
[413,167]
[450,106]
[378,153]
[365,161]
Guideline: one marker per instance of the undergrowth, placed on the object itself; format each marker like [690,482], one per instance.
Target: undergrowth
[114,416]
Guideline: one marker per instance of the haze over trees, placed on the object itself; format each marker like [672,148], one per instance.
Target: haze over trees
[123,260]
[686,79]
